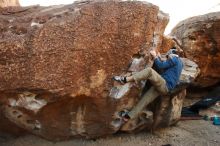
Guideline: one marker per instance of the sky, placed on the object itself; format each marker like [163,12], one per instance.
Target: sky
[177,9]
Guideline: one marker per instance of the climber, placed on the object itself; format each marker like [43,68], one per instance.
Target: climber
[162,83]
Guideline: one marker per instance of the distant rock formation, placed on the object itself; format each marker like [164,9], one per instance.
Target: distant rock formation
[8,3]
[57,64]
[200,40]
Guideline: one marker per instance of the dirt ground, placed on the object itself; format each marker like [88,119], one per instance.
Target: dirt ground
[185,133]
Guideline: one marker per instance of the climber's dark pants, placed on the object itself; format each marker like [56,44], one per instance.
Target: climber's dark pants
[159,87]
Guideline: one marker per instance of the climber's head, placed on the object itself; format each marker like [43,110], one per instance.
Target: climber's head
[172,52]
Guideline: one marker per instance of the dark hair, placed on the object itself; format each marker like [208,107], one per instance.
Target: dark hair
[171,51]
[173,47]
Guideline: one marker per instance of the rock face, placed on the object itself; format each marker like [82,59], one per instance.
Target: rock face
[7,3]
[200,40]
[57,65]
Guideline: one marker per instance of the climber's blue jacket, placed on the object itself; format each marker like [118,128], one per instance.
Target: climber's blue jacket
[173,68]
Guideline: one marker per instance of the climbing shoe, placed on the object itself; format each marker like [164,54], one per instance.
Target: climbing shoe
[124,115]
[120,79]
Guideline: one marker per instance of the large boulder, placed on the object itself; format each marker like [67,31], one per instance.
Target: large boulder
[57,64]
[200,40]
[7,3]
